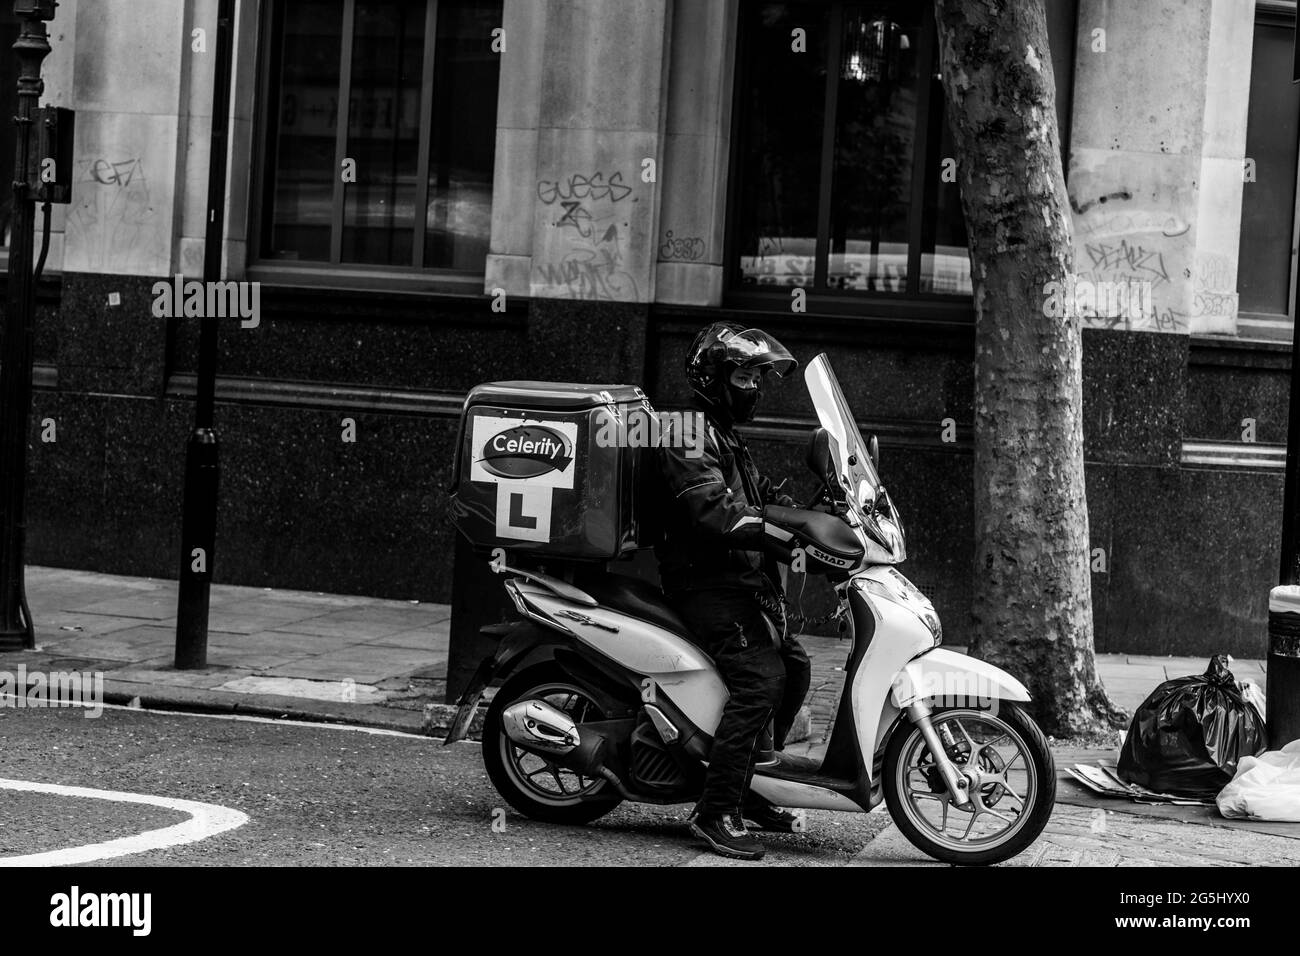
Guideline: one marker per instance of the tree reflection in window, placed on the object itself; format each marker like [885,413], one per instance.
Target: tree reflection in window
[841,149]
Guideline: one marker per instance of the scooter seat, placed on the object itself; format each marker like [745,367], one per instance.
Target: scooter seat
[635,598]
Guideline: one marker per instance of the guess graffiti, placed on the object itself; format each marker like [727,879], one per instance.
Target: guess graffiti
[580,186]
[526,451]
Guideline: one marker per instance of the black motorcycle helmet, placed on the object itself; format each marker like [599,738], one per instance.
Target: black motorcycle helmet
[716,353]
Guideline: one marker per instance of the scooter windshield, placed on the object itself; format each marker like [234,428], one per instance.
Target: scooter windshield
[855,472]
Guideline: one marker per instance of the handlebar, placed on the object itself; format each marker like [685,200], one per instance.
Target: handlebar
[826,533]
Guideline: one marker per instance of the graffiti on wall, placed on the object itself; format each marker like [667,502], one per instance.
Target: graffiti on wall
[591,269]
[673,249]
[584,256]
[1125,261]
[1113,222]
[1214,296]
[113,223]
[1133,234]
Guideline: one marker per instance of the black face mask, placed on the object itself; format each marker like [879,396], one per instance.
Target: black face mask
[742,403]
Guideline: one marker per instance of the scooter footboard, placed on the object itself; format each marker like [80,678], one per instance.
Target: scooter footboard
[946,676]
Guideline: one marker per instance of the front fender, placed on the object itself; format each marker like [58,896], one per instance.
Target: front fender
[941,674]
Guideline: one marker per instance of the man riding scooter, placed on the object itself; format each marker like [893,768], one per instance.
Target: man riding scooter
[715,572]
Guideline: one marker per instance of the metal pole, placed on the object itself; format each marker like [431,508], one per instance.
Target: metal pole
[202,459]
[16,350]
[1282,680]
[1289,571]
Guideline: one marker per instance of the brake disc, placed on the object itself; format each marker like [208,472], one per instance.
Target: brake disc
[991,761]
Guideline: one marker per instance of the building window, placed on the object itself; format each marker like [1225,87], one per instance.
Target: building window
[381,131]
[840,183]
[1265,270]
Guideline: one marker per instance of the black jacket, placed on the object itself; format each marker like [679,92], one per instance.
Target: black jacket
[711,509]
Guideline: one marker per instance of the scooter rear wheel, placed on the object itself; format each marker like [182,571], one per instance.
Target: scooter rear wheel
[532,784]
[1013,784]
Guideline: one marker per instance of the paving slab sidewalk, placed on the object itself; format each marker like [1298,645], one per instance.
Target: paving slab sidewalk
[1080,836]
[296,654]
[345,657]
[1088,830]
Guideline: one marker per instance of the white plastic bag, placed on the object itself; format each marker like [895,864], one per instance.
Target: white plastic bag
[1250,692]
[1266,787]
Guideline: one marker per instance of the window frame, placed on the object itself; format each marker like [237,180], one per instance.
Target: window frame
[337,274]
[911,303]
[1276,326]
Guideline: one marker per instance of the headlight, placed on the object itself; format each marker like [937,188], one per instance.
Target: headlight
[902,594]
[880,591]
[931,621]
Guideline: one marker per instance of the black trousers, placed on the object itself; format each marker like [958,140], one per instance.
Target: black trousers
[766,682]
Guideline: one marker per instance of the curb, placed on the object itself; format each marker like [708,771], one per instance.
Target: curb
[434,720]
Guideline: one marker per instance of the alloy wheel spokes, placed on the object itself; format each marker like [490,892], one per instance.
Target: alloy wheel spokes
[972,756]
[981,808]
[555,772]
[988,771]
[578,706]
[1001,781]
[558,782]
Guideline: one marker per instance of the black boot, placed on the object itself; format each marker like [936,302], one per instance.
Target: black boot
[771,818]
[726,835]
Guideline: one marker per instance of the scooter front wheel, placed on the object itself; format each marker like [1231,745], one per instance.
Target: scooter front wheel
[1011,784]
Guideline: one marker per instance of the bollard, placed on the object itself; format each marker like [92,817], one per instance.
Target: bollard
[1282,683]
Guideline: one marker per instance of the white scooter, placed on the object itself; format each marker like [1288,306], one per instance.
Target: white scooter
[605,698]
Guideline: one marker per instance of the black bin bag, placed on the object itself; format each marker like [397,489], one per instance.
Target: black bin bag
[1187,737]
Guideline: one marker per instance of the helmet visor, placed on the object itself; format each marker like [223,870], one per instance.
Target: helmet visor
[754,347]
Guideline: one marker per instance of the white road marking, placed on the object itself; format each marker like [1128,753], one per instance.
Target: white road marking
[206,820]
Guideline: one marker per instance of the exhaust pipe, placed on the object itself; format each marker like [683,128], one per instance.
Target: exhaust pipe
[536,725]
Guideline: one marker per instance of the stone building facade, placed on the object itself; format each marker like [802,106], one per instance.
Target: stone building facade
[567,189]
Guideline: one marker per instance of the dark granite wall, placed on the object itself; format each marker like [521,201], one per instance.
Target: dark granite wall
[404,341]
[1228,383]
[300,507]
[1188,553]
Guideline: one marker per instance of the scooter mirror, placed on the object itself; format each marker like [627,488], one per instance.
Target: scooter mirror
[820,460]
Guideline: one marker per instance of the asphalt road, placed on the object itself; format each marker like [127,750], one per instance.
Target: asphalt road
[317,795]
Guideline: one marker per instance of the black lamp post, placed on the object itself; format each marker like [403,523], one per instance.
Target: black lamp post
[1283,678]
[30,49]
[202,461]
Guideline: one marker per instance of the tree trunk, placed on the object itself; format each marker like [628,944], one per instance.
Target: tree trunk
[1033,600]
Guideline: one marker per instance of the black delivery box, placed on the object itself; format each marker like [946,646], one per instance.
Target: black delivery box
[547,468]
